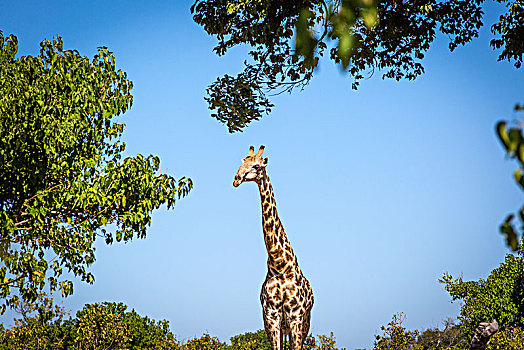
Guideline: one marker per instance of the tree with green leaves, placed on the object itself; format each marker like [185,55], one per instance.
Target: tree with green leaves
[101,326]
[258,341]
[97,326]
[251,340]
[39,327]
[450,336]
[109,325]
[509,338]
[321,342]
[63,179]
[395,336]
[205,342]
[499,297]
[287,39]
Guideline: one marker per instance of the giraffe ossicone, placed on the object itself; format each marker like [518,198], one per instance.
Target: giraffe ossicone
[286,296]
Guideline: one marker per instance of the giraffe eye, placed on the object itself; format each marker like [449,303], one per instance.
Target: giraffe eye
[256,166]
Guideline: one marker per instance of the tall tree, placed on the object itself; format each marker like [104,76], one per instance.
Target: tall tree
[62,176]
[499,297]
[287,38]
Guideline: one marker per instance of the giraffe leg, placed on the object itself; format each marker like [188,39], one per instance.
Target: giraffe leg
[272,327]
[272,312]
[275,338]
[297,338]
[305,325]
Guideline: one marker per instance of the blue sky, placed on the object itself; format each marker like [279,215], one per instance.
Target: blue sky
[380,190]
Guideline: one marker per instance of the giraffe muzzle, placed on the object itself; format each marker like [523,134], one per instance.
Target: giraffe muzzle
[237,181]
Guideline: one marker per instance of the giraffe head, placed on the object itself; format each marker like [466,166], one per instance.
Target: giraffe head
[252,168]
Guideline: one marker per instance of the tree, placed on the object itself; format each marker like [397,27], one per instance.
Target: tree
[388,35]
[146,333]
[97,326]
[108,325]
[321,342]
[101,326]
[62,176]
[257,341]
[205,342]
[39,328]
[509,338]
[449,337]
[395,336]
[499,297]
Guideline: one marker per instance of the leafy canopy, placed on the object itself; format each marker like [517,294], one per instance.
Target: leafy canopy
[500,296]
[396,337]
[109,325]
[287,39]
[62,176]
[97,326]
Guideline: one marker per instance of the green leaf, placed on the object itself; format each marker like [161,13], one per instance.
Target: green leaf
[519,178]
[305,41]
[520,153]
[370,17]
[345,44]
[503,135]
[515,138]
[511,236]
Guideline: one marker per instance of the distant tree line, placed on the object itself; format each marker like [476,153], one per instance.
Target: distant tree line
[109,325]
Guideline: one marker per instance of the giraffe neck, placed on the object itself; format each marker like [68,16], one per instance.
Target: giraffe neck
[281,258]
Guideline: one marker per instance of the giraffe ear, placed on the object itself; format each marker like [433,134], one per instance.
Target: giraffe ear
[264,161]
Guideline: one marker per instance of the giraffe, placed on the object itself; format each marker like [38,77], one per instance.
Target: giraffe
[286,296]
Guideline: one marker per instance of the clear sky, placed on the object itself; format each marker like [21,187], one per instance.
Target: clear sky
[380,190]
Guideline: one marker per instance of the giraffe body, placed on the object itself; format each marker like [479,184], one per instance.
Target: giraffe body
[286,295]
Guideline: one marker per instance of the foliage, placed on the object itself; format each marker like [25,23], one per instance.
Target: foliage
[513,141]
[395,336]
[62,176]
[499,297]
[322,342]
[101,326]
[450,337]
[39,328]
[109,325]
[205,342]
[267,26]
[259,341]
[248,341]
[510,27]
[146,333]
[509,338]
[287,39]
[97,326]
